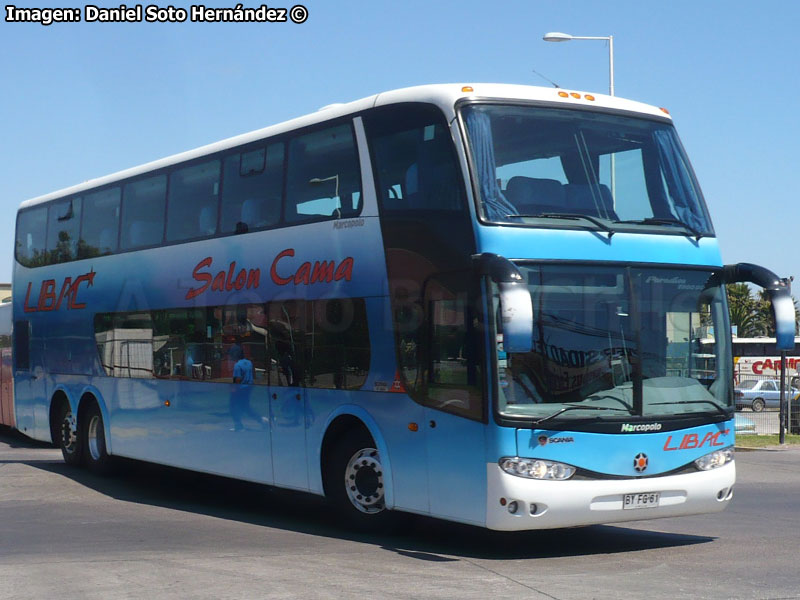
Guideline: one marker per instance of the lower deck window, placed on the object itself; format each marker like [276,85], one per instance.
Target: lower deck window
[321,343]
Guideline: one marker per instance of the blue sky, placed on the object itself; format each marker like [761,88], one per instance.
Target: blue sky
[83,100]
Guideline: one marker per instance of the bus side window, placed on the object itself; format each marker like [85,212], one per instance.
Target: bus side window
[100,224]
[323,177]
[252,189]
[143,204]
[417,169]
[63,230]
[124,342]
[31,231]
[193,202]
[242,330]
[287,325]
[340,356]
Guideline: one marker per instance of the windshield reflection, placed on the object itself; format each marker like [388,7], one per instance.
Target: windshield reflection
[616,342]
[615,172]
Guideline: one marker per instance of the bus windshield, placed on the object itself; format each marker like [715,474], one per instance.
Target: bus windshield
[537,163]
[618,342]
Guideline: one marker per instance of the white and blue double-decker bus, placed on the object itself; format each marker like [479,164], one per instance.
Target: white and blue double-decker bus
[475,302]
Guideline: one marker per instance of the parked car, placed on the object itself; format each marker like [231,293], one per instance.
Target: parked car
[760,393]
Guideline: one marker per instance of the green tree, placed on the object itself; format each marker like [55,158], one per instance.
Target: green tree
[752,314]
[743,310]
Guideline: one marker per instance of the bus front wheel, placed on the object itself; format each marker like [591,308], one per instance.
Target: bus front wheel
[93,438]
[354,483]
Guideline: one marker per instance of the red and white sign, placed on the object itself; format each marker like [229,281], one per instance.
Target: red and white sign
[769,366]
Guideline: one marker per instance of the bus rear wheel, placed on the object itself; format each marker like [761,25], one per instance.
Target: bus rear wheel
[354,484]
[93,438]
[68,439]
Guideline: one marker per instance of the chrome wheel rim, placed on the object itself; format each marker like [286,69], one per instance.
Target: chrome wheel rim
[363,480]
[69,437]
[93,437]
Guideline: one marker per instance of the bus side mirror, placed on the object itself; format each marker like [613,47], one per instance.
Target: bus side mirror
[516,308]
[779,294]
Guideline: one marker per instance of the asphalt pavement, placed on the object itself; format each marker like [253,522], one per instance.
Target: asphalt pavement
[155,532]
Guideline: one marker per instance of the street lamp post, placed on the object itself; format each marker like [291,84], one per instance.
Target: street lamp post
[335,179]
[555,36]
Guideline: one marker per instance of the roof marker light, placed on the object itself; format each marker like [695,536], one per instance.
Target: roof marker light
[563,94]
[467,88]
[589,97]
[575,95]
[664,110]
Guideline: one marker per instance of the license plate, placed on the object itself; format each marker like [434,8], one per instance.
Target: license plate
[643,500]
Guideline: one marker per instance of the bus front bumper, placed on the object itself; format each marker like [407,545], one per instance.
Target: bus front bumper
[517,503]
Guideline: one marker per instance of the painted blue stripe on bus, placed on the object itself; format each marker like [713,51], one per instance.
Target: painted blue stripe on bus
[554,244]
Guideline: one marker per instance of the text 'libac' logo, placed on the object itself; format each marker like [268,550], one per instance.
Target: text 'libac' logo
[50,300]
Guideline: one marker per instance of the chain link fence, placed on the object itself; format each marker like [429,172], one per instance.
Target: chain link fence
[758,405]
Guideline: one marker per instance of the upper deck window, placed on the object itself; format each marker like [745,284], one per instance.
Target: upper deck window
[100,223]
[193,202]
[305,177]
[143,212]
[253,184]
[416,167]
[541,163]
[63,230]
[323,179]
[31,232]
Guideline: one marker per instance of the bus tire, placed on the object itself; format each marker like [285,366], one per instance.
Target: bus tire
[93,438]
[68,438]
[758,405]
[354,483]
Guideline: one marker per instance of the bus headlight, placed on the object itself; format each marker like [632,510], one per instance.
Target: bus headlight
[715,459]
[533,468]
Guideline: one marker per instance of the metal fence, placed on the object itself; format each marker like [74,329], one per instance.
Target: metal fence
[758,405]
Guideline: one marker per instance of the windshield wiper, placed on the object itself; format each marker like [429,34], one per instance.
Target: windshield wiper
[697,235]
[720,409]
[570,217]
[575,407]
[609,397]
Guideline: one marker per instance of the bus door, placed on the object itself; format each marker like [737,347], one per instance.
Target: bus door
[454,406]
[287,392]
[456,465]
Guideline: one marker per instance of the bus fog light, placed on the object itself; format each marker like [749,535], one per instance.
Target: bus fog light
[531,468]
[513,506]
[714,460]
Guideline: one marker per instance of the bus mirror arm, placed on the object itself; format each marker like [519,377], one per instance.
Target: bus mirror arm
[779,292]
[516,307]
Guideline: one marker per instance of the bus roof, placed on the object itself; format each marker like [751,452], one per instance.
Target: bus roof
[443,95]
